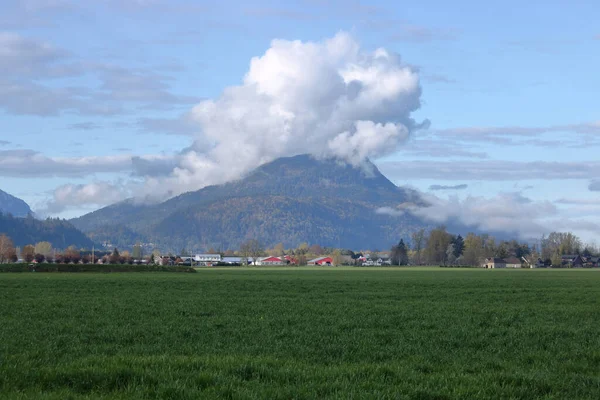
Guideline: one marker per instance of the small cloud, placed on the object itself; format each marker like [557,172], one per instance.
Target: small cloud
[280,13]
[123,149]
[449,187]
[437,78]
[84,126]
[580,202]
[594,186]
[4,142]
[422,34]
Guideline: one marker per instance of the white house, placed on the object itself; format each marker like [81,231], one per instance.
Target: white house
[207,259]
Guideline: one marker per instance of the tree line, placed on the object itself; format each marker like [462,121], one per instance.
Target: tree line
[439,247]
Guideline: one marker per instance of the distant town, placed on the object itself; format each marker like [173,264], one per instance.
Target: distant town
[436,247]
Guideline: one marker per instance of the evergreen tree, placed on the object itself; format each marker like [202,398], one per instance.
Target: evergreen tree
[115,257]
[459,246]
[399,254]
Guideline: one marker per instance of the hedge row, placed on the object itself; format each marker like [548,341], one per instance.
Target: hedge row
[106,268]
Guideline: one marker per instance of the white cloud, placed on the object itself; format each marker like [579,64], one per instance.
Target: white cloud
[326,98]
[32,164]
[93,194]
[491,170]
[508,213]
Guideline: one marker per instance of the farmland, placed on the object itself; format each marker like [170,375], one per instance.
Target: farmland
[302,333]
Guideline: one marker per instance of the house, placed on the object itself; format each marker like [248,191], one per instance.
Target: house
[207,259]
[512,262]
[323,261]
[272,260]
[494,262]
[572,261]
[235,260]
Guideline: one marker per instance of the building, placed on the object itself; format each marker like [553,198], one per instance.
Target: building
[494,262]
[207,259]
[572,261]
[512,262]
[323,261]
[271,261]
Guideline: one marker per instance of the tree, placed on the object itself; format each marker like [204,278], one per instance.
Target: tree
[418,238]
[252,248]
[39,258]
[7,249]
[279,250]
[115,257]
[450,254]
[459,246]
[316,249]
[44,248]
[437,244]
[337,258]
[556,260]
[28,253]
[137,251]
[72,255]
[474,253]
[399,254]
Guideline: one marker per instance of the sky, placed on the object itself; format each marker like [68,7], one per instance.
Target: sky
[490,111]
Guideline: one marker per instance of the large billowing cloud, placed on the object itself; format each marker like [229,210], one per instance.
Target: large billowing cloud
[328,99]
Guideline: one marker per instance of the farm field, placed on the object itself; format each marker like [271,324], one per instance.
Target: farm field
[302,334]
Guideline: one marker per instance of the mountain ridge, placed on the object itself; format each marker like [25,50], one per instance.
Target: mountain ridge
[289,200]
[10,204]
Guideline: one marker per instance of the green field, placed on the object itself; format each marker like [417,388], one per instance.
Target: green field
[302,333]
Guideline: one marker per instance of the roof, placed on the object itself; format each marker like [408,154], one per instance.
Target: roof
[495,260]
[316,260]
[271,259]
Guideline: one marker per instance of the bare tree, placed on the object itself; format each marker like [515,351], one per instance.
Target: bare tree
[252,248]
[418,239]
[28,253]
[7,248]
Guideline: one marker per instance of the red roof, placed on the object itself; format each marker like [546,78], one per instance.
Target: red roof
[271,259]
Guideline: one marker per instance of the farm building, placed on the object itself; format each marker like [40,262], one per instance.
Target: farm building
[321,261]
[271,261]
[495,262]
[512,262]
[572,261]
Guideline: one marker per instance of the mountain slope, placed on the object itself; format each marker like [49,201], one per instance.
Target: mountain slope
[10,204]
[60,233]
[290,200]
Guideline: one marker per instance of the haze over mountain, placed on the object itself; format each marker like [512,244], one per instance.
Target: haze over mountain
[10,204]
[290,200]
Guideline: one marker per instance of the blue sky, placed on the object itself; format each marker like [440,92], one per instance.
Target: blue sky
[96,99]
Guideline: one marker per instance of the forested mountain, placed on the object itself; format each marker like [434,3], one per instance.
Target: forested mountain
[10,204]
[290,200]
[28,230]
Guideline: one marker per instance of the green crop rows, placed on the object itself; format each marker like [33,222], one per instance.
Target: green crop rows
[301,333]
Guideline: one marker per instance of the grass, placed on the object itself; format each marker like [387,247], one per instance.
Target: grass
[302,333]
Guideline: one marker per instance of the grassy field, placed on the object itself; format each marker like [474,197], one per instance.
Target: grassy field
[302,333]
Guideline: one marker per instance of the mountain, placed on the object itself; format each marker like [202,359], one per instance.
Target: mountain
[13,205]
[290,200]
[60,233]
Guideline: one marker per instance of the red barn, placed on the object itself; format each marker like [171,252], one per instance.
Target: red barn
[321,261]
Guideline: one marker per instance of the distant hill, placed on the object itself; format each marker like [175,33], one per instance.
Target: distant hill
[60,233]
[10,204]
[290,200]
